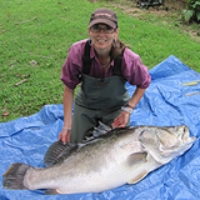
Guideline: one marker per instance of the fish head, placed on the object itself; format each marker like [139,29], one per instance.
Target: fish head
[165,143]
[174,136]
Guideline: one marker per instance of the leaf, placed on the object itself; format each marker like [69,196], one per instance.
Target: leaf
[20,82]
[6,114]
[191,94]
[191,83]
[198,16]
[188,14]
[197,4]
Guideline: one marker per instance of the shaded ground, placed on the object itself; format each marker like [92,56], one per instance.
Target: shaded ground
[169,12]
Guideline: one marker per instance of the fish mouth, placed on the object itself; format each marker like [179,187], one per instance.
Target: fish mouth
[185,131]
[186,136]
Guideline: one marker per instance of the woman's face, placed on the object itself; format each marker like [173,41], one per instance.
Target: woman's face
[102,37]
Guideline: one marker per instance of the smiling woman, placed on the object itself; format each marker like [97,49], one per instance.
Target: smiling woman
[102,64]
[103,36]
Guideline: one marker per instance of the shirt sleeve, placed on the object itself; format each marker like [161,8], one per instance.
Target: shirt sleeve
[72,67]
[134,71]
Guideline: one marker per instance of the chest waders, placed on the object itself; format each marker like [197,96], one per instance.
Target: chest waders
[98,99]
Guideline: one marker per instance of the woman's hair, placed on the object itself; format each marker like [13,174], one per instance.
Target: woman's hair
[117,48]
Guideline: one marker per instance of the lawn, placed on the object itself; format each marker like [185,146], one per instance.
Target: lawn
[36,35]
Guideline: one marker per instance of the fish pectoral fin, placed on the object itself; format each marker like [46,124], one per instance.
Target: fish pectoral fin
[137,158]
[138,178]
[51,192]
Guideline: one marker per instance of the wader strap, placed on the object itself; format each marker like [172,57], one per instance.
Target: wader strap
[87,61]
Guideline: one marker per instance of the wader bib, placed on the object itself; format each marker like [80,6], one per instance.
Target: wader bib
[97,100]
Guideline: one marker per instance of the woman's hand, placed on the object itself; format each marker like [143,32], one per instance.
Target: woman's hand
[64,136]
[121,120]
[68,97]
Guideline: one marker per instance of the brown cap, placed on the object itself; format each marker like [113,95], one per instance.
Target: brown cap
[104,16]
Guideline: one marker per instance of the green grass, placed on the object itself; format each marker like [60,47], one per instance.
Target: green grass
[44,30]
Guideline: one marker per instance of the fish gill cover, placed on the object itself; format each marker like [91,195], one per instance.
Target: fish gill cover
[167,102]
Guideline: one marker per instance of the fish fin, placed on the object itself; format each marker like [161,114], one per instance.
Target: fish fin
[14,176]
[104,127]
[137,158]
[138,178]
[101,129]
[58,152]
[51,192]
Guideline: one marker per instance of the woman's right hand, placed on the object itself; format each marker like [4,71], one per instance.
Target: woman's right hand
[68,97]
[64,136]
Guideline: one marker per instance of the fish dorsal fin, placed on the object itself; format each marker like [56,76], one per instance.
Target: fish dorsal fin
[104,127]
[137,158]
[101,129]
[138,178]
[58,152]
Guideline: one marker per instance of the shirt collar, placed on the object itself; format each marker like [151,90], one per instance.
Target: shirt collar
[92,54]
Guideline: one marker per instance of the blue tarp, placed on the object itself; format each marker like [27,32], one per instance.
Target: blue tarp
[166,102]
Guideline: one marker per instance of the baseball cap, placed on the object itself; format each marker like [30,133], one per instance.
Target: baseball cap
[104,16]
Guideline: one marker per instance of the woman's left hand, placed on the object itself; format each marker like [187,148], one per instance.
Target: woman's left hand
[122,120]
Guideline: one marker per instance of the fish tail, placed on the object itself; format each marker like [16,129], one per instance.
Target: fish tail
[14,176]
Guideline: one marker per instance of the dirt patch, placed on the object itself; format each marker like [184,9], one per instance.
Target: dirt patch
[169,12]
[175,4]
[172,9]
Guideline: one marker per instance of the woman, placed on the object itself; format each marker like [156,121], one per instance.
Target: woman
[102,74]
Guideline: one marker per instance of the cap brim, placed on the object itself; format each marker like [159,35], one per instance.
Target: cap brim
[102,21]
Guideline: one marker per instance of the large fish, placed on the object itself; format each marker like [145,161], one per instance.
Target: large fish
[121,156]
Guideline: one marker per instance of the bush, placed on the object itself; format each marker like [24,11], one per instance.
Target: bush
[192,13]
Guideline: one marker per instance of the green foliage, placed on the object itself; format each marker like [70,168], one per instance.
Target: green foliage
[192,13]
